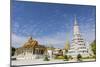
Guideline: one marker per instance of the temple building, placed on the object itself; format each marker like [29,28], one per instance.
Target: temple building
[30,50]
[78,45]
[52,52]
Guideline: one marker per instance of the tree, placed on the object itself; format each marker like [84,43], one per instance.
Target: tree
[93,46]
[12,51]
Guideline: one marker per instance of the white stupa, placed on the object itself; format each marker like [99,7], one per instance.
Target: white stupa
[78,45]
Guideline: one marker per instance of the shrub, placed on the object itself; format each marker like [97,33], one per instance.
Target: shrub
[70,57]
[79,56]
[86,57]
[46,58]
[65,58]
[93,46]
[60,57]
[94,56]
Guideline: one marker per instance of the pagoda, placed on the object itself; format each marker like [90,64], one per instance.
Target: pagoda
[78,45]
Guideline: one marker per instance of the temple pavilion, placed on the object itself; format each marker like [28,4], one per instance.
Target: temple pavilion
[30,49]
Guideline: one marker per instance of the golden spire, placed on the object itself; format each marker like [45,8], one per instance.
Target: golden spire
[67,45]
[30,39]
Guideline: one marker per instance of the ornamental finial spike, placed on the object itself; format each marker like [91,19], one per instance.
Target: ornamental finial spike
[75,21]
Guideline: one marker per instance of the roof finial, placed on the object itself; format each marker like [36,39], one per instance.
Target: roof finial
[30,39]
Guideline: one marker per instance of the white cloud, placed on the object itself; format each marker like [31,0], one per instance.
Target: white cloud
[57,40]
[17,41]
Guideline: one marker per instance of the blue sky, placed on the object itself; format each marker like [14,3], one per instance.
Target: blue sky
[50,24]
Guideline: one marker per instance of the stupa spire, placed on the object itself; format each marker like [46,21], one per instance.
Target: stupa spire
[75,20]
[76,26]
[78,45]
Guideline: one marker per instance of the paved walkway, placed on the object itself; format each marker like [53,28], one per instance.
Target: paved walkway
[40,61]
